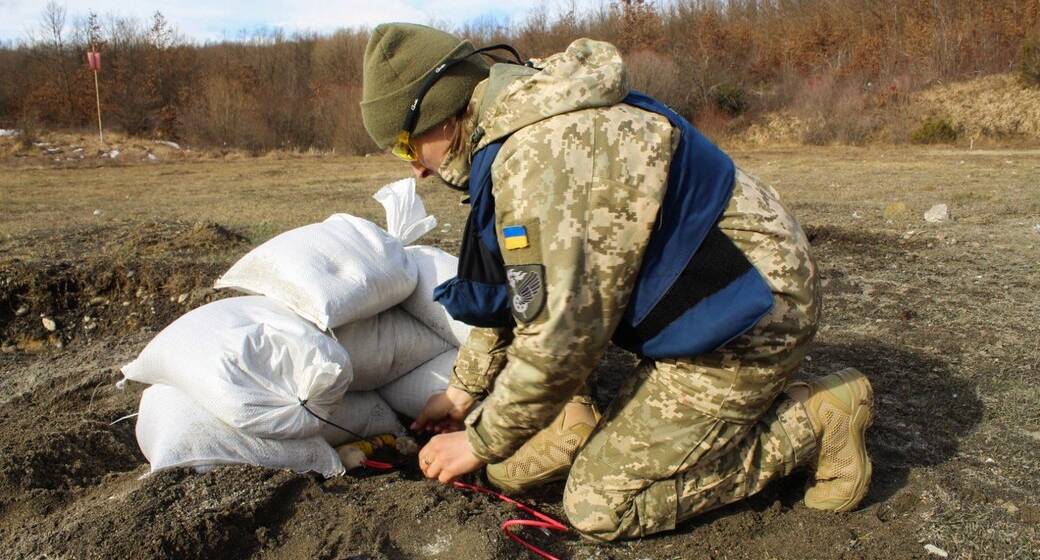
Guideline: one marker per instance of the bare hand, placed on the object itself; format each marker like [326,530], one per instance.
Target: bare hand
[444,412]
[447,457]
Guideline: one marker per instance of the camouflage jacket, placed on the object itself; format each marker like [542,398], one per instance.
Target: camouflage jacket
[584,175]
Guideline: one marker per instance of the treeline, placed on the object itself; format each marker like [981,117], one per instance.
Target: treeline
[719,62]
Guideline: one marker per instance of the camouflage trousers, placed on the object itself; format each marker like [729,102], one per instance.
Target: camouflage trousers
[688,435]
[683,437]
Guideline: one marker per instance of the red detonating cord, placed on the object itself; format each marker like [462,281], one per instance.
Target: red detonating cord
[378,465]
[541,520]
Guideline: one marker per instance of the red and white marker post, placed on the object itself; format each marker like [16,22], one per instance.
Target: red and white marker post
[94,63]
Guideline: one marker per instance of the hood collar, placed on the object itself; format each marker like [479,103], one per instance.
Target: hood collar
[588,74]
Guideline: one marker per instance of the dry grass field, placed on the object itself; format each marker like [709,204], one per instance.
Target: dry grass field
[943,317]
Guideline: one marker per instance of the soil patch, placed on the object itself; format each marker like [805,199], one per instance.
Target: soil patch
[108,280]
[941,317]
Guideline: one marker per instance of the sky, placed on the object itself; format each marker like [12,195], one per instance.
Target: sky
[215,20]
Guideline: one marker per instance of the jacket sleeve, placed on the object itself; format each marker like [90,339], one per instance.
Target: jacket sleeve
[481,358]
[579,196]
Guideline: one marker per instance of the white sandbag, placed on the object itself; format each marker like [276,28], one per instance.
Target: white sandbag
[406,217]
[341,270]
[249,361]
[408,395]
[387,346]
[173,431]
[435,267]
[365,413]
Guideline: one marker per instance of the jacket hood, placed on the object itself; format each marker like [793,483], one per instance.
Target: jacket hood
[588,74]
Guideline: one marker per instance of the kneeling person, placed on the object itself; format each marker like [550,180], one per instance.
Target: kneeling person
[599,214]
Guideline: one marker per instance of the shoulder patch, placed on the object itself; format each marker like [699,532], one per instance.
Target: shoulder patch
[516,237]
[520,241]
[526,290]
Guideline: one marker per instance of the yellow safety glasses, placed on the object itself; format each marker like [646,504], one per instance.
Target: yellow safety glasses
[403,147]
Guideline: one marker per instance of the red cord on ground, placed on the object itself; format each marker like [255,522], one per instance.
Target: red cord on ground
[541,520]
[379,465]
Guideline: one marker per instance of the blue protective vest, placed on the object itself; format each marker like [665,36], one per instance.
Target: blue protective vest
[695,291]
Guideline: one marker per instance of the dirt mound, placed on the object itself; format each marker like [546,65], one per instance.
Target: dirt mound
[81,454]
[109,279]
[58,438]
[175,515]
[238,512]
[177,238]
[997,107]
[854,240]
[779,128]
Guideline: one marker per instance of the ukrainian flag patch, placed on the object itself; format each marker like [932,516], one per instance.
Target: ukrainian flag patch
[516,237]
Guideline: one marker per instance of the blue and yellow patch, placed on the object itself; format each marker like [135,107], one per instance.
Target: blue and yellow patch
[516,237]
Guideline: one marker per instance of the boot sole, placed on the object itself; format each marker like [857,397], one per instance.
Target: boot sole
[861,420]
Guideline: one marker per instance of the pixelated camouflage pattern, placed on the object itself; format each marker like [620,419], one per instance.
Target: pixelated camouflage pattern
[481,358]
[587,184]
[586,178]
[689,435]
[587,75]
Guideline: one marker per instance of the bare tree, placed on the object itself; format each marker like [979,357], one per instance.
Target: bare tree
[94,35]
[52,23]
[52,27]
[161,32]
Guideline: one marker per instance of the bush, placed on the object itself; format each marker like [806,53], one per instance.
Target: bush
[714,124]
[729,98]
[834,112]
[222,114]
[339,125]
[935,130]
[1029,61]
[829,64]
[28,127]
[658,76]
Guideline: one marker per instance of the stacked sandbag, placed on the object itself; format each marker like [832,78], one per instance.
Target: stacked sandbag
[363,413]
[341,270]
[174,431]
[406,219]
[435,267]
[387,346]
[408,395]
[339,310]
[424,338]
[250,362]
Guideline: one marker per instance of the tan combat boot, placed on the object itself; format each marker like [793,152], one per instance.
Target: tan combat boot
[840,406]
[548,455]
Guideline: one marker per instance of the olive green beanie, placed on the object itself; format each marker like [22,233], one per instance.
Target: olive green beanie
[397,58]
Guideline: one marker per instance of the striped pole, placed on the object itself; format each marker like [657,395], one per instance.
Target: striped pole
[97,94]
[94,62]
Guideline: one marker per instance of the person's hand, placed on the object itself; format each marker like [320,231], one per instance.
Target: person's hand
[444,412]
[447,457]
